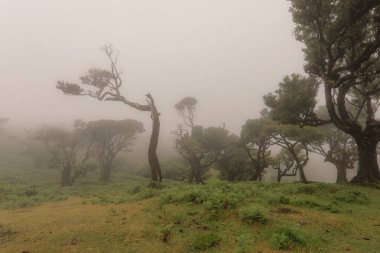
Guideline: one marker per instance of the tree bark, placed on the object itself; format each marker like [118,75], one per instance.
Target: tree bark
[368,171]
[105,173]
[302,174]
[341,177]
[256,175]
[198,175]
[66,176]
[279,176]
[152,150]
[192,174]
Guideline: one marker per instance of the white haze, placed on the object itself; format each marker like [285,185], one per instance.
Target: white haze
[227,54]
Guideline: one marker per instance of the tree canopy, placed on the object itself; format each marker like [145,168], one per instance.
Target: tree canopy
[109,137]
[342,42]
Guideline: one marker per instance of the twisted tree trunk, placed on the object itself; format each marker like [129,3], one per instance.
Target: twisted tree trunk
[368,171]
[152,150]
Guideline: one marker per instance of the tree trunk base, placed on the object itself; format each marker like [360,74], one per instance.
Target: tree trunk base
[365,180]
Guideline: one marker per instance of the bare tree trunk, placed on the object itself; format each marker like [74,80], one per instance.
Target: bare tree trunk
[66,176]
[152,150]
[302,174]
[279,177]
[368,166]
[105,171]
[257,174]
[192,174]
[198,175]
[341,177]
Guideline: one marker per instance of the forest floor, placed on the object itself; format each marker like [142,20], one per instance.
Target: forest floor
[132,216]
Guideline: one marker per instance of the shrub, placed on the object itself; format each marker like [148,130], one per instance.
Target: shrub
[353,197]
[168,198]
[205,241]
[279,200]
[196,197]
[219,201]
[252,215]
[165,234]
[307,203]
[135,189]
[287,238]
[308,189]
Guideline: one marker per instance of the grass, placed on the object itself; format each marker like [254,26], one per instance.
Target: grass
[131,215]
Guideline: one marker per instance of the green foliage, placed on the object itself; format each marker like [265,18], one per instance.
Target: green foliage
[233,163]
[106,130]
[174,169]
[181,216]
[314,204]
[286,238]
[165,234]
[220,201]
[98,78]
[205,241]
[276,200]
[344,23]
[294,101]
[353,197]
[186,109]
[253,215]
[201,148]
[135,189]
[310,189]
[255,137]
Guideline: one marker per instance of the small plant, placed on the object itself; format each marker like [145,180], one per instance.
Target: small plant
[113,212]
[242,242]
[156,185]
[253,215]
[287,238]
[205,241]
[308,189]
[196,197]
[165,234]
[192,212]
[135,189]
[353,197]
[219,201]
[31,191]
[307,203]
[279,200]
[178,218]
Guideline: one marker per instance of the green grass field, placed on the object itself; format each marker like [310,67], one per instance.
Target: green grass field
[130,215]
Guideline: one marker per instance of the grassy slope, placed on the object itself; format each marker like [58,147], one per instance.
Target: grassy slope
[36,215]
[129,216]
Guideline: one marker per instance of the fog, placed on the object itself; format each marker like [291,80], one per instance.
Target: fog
[227,54]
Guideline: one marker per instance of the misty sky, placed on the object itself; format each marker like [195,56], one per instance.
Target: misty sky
[227,54]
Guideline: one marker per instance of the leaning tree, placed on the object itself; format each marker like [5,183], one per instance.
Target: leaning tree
[106,85]
[107,138]
[342,46]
